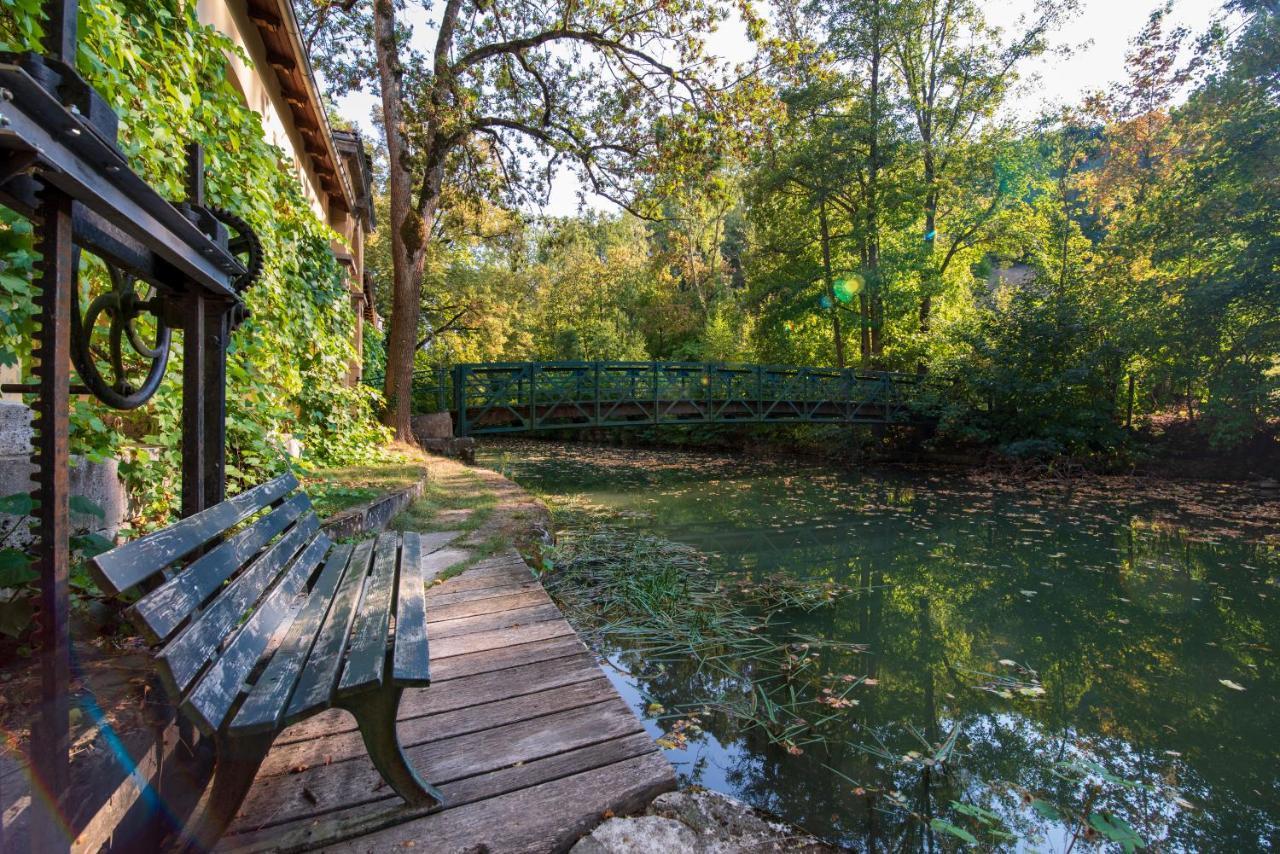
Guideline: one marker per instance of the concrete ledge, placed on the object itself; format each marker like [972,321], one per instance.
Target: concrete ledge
[373,516]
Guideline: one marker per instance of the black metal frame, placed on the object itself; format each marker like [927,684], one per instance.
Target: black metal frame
[59,166]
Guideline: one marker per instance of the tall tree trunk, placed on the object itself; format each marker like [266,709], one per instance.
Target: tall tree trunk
[930,241]
[871,286]
[837,333]
[408,232]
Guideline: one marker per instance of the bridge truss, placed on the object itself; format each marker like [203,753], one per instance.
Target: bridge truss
[518,397]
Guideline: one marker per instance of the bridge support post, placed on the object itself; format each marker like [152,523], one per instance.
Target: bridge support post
[460,399]
[596,366]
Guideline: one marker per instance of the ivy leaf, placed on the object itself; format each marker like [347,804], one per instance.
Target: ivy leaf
[942,826]
[82,505]
[18,504]
[1117,830]
[15,616]
[15,568]
[91,545]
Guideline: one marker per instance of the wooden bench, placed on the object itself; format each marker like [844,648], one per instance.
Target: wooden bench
[257,626]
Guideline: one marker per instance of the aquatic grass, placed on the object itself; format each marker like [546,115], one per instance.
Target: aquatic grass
[654,603]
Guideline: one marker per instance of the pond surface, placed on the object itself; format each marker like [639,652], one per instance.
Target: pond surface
[1131,624]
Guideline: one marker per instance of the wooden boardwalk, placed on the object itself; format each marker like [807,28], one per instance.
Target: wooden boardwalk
[520,729]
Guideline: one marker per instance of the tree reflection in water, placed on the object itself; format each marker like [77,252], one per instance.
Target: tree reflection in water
[1131,604]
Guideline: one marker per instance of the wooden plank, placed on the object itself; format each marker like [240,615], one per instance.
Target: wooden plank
[183,658]
[502,658]
[449,598]
[474,580]
[443,648]
[511,655]
[358,821]
[526,598]
[535,818]
[549,816]
[263,709]
[320,673]
[488,687]
[129,564]
[489,622]
[162,610]
[335,748]
[410,656]
[367,653]
[321,788]
[223,682]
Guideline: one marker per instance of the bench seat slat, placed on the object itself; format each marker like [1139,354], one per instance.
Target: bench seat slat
[162,610]
[183,658]
[320,673]
[263,710]
[222,683]
[134,562]
[410,660]
[366,659]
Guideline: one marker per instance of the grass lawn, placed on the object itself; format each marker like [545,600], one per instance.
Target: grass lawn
[333,490]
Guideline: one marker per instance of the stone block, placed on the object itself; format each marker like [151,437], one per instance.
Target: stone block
[460,449]
[96,482]
[435,425]
[15,430]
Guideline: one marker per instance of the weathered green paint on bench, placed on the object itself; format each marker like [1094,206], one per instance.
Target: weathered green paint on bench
[134,562]
[411,661]
[263,709]
[215,621]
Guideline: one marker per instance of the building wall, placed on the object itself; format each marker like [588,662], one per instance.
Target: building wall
[261,91]
[258,84]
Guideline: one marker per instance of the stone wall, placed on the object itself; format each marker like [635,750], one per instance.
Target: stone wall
[97,482]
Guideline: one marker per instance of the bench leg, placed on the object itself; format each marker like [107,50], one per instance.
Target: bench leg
[375,714]
[237,763]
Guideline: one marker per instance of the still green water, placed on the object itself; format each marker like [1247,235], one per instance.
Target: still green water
[1139,619]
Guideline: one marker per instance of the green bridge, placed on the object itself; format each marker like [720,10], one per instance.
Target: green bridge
[516,397]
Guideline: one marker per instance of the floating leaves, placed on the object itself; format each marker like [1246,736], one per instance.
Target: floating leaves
[1022,682]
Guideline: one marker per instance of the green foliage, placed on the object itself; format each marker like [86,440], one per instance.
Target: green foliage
[1083,277]
[165,75]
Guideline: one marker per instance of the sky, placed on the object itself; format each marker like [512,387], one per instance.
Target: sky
[1098,36]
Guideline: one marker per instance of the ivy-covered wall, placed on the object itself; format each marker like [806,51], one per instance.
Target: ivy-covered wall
[164,73]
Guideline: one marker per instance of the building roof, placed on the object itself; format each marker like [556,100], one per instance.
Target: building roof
[278,28]
[360,171]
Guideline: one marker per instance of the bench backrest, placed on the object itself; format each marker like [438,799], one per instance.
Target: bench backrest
[218,596]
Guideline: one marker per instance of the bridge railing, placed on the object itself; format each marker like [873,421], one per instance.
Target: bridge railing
[500,397]
[523,396]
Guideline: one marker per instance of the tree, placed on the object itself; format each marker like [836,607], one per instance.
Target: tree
[955,71]
[510,91]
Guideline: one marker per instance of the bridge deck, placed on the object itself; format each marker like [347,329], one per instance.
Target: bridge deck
[520,729]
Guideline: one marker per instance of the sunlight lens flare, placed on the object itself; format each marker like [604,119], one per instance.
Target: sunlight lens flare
[848,287]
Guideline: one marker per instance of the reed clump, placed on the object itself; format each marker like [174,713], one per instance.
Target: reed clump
[653,607]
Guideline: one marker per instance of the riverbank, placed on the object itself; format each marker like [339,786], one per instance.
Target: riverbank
[1166,449]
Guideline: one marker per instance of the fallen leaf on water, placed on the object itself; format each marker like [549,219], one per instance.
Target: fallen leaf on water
[1232,685]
